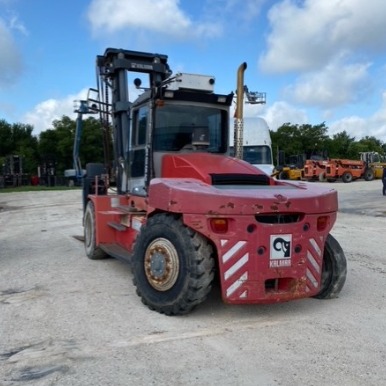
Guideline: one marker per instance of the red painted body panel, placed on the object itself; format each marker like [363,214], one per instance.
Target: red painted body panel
[245,273]
[202,165]
[246,265]
[259,261]
[108,209]
[184,195]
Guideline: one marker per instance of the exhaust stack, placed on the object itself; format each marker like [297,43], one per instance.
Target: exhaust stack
[239,125]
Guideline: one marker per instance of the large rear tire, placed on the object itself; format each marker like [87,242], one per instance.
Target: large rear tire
[334,270]
[92,251]
[173,266]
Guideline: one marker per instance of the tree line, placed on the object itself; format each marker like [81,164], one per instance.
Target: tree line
[55,145]
[296,139]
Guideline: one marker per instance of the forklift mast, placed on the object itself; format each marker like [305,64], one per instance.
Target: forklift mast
[112,68]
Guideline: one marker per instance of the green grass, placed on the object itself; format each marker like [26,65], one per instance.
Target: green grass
[36,188]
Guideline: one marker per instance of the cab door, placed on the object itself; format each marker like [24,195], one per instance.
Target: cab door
[138,149]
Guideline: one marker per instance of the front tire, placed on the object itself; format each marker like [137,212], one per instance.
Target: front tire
[334,270]
[92,251]
[173,266]
[369,175]
[283,176]
[347,177]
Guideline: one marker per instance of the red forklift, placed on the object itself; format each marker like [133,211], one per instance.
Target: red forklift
[182,211]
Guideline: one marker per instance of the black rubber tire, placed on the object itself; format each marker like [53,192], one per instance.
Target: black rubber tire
[347,177]
[184,258]
[283,176]
[334,270]
[368,175]
[92,251]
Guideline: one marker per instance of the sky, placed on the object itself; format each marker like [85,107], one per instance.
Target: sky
[316,60]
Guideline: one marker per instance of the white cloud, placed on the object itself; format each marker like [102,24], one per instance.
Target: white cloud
[16,24]
[332,47]
[337,84]
[309,34]
[11,65]
[275,115]
[282,112]
[359,127]
[163,16]
[355,126]
[380,115]
[43,114]
[253,110]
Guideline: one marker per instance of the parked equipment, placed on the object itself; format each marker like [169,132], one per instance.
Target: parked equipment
[374,164]
[315,165]
[289,168]
[347,170]
[369,166]
[12,172]
[185,211]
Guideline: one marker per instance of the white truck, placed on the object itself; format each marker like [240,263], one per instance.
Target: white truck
[257,145]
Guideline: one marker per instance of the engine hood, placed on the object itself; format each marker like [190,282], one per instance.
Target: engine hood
[211,183]
[202,166]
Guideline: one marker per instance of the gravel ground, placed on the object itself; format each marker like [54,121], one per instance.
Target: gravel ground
[67,320]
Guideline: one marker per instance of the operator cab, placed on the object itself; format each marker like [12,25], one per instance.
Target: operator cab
[185,116]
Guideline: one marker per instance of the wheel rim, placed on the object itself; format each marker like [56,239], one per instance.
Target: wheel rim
[161,264]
